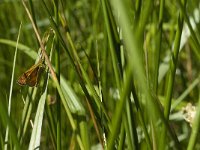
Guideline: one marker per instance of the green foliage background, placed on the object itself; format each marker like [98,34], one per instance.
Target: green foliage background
[128,71]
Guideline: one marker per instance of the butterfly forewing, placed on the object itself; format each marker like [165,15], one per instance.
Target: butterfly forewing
[34,77]
[31,77]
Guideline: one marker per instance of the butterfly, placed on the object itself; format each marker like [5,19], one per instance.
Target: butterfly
[32,76]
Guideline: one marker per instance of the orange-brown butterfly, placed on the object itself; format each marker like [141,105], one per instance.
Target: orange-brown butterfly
[32,76]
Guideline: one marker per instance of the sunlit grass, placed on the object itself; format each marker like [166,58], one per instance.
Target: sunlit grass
[118,74]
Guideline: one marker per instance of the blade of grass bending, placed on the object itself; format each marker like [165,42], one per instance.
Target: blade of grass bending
[27,50]
[72,122]
[74,102]
[76,108]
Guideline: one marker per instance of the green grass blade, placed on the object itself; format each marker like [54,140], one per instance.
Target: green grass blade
[195,128]
[11,87]
[171,79]
[30,52]
[37,127]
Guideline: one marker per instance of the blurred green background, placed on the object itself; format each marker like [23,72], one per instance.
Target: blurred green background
[129,74]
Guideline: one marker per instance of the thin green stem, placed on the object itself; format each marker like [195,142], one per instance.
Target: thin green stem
[111,43]
[57,70]
[116,121]
[194,37]
[171,78]
[11,88]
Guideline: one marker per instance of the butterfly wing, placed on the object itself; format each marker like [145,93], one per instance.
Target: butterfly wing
[31,76]
[22,79]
